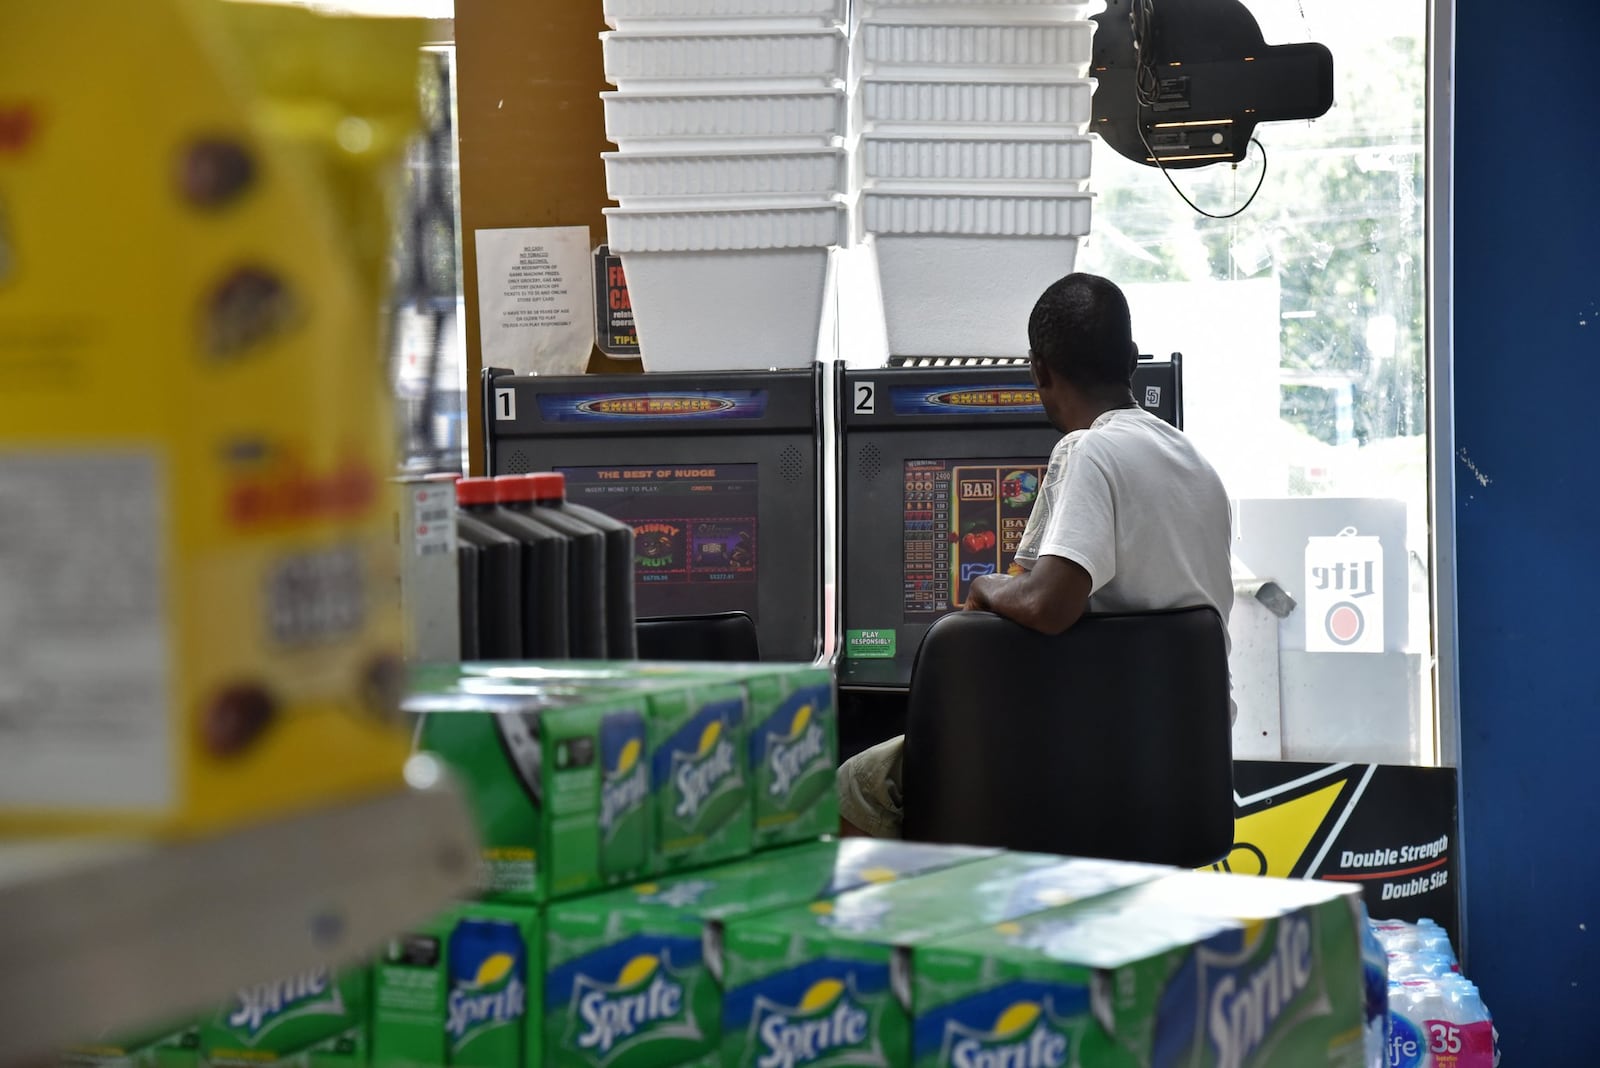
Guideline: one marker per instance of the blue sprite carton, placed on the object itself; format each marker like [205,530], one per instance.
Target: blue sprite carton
[316,1019]
[462,990]
[634,975]
[830,983]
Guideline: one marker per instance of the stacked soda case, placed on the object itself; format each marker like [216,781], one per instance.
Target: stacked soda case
[541,578]
[842,953]
[589,775]
[1436,1017]
[887,953]
[658,891]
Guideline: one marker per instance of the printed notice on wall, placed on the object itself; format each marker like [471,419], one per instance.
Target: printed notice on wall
[535,299]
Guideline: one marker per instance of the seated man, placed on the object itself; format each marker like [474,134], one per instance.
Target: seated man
[1129,516]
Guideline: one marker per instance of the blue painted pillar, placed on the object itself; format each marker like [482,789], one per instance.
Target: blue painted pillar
[1527,382]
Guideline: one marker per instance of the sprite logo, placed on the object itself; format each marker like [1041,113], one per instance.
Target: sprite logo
[699,775]
[1245,1003]
[493,996]
[790,756]
[625,787]
[680,896]
[259,1009]
[827,1021]
[855,915]
[611,1015]
[1022,1037]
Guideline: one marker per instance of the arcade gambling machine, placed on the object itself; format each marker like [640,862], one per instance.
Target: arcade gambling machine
[940,460]
[719,473]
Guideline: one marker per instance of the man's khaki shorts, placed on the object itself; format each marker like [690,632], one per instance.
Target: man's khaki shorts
[869,789]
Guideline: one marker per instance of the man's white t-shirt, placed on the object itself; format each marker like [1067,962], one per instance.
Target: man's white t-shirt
[1134,504]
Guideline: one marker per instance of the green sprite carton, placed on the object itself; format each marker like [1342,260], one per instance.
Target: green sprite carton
[633,975]
[702,786]
[794,754]
[792,737]
[559,782]
[1280,986]
[316,1019]
[829,983]
[462,990]
[696,741]
[1010,993]
[169,1046]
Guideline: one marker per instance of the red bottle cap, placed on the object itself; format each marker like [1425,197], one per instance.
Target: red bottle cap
[510,489]
[471,491]
[549,486]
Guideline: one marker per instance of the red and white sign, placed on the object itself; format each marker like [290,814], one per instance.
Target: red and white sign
[1344,594]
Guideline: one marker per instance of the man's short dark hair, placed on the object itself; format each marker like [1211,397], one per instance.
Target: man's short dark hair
[1082,330]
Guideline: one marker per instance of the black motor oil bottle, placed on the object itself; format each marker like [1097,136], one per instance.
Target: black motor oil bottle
[546,602]
[467,594]
[622,640]
[586,564]
[499,585]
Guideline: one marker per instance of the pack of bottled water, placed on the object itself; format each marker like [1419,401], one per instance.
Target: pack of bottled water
[1434,1017]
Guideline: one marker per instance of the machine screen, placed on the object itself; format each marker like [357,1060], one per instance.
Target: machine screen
[694,525]
[963,518]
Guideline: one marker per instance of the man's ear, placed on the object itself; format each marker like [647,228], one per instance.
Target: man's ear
[1041,373]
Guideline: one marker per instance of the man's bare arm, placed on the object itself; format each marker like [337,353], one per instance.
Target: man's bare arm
[1050,598]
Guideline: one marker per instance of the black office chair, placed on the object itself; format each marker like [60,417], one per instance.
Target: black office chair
[1112,739]
[721,637]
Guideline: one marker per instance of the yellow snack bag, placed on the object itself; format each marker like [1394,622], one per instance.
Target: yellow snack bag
[327,86]
[198,593]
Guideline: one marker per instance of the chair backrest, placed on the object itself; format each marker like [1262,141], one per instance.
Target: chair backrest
[721,637]
[1112,739]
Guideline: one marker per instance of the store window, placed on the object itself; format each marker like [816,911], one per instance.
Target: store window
[1302,320]
[427,342]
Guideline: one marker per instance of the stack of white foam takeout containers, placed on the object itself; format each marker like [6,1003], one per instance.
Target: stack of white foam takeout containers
[972,156]
[730,173]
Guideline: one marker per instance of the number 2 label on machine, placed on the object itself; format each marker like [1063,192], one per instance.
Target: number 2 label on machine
[866,398]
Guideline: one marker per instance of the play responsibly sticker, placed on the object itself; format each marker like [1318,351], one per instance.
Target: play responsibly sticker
[869,644]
